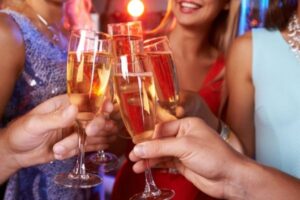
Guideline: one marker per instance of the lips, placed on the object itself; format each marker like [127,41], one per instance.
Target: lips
[189,5]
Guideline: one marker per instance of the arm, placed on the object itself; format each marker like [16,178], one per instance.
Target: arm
[212,165]
[12,56]
[238,79]
[261,182]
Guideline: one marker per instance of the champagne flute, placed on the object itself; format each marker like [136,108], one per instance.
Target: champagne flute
[165,77]
[89,66]
[88,73]
[135,93]
[164,70]
[127,39]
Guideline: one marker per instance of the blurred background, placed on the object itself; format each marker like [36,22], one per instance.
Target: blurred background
[113,11]
[151,12]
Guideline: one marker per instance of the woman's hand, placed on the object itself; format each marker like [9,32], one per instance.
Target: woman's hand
[37,137]
[192,105]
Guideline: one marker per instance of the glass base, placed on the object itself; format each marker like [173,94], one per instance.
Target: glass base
[105,164]
[165,194]
[71,180]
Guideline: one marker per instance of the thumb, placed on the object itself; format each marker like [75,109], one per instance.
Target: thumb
[159,148]
[40,123]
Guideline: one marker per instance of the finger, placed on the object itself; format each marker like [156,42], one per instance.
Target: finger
[155,161]
[141,165]
[66,145]
[51,104]
[168,129]
[178,127]
[107,107]
[66,155]
[95,126]
[180,112]
[42,123]
[102,128]
[161,148]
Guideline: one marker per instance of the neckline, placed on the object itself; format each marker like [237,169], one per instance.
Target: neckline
[284,42]
[35,28]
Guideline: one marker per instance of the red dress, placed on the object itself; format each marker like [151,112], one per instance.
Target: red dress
[128,183]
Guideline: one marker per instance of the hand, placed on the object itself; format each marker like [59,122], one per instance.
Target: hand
[30,139]
[202,156]
[192,105]
[101,133]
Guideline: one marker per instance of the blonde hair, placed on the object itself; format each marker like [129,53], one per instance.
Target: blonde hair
[224,32]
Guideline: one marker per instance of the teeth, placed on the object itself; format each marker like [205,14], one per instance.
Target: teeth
[189,5]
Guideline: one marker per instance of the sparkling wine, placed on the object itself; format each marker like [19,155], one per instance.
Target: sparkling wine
[127,44]
[87,77]
[136,96]
[165,78]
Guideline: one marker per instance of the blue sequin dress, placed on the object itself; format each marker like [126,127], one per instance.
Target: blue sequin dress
[43,77]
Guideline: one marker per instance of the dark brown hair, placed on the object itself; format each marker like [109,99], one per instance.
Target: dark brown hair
[219,28]
[279,13]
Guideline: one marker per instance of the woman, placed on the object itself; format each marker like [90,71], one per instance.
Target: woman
[198,45]
[264,99]
[263,109]
[32,70]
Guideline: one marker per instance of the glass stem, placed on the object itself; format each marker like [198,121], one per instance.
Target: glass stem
[80,170]
[151,190]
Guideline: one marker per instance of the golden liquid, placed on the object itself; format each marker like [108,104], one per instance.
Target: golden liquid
[165,78]
[88,75]
[136,96]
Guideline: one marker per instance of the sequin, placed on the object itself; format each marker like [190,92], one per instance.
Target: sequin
[43,77]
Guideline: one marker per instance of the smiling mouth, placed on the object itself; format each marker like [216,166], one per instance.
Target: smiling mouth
[189,5]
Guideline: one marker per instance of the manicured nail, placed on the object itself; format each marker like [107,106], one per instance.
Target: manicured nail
[139,150]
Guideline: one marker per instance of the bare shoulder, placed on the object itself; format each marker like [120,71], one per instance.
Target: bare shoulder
[242,44]
[11,40]
[239,57]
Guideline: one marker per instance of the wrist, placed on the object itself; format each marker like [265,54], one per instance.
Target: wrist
[243,180]
[8,158]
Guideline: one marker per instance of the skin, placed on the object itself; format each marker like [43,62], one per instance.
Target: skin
[195,57]
[240,113]
[11,38]
[14,56]
[37,137]
[211,164]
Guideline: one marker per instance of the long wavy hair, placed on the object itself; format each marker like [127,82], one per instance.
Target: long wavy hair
[223,29]
[279,13]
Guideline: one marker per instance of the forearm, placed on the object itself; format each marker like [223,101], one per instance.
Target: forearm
[8,165]
[257,182]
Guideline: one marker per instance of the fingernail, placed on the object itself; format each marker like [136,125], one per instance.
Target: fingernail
[139,150]
[58,149]
[68,111]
